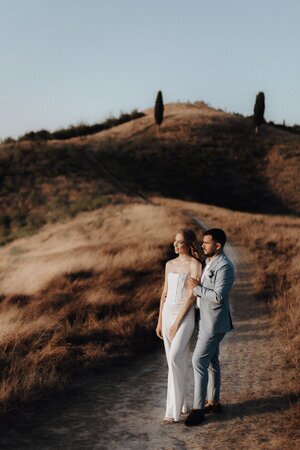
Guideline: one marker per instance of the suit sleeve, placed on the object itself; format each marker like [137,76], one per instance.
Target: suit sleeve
[223,283]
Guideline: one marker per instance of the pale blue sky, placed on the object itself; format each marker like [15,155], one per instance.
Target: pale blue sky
[67,61]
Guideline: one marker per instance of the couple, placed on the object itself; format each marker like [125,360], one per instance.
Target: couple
[186,287]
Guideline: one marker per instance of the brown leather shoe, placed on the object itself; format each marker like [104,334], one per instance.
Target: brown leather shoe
[215,408]
[195,417]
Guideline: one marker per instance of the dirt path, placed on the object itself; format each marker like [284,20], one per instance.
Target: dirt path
[122,409]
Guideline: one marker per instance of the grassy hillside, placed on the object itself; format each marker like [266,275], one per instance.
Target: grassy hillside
[40,184]
[208,156]
[78,294]
[199,154]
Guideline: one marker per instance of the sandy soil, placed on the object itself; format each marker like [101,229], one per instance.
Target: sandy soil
[122,408]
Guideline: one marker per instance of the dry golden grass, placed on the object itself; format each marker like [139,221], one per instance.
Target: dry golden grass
[85,291]
[79,293]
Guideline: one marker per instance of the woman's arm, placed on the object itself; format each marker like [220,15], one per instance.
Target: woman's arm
[162,301]
[196,270]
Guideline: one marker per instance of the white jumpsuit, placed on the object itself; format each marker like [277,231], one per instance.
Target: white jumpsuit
[177,351]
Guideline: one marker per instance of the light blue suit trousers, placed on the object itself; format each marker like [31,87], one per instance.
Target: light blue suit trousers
[206,367]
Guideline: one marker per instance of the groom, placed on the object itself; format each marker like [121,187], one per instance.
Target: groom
[215,320]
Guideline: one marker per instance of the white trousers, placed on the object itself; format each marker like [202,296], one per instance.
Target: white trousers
[177,352]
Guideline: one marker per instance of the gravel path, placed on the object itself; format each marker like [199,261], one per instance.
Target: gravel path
[122,408]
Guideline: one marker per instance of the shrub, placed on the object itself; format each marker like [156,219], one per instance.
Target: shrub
[81,129]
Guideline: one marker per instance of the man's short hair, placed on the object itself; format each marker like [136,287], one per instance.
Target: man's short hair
[217,234]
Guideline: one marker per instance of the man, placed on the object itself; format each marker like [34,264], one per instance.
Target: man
[215,320]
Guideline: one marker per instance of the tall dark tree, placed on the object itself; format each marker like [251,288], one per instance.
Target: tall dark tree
[159,109]
[259,110]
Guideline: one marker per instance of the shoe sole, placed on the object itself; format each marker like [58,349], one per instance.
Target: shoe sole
[212,412]
[194,424]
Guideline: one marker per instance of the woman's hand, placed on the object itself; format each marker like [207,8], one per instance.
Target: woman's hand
[159,330]
[173,330]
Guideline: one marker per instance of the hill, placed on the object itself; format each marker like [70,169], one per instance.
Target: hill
[199,154]
[77,294]
[206,155]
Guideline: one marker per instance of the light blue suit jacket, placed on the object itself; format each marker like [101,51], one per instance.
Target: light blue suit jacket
[213,293]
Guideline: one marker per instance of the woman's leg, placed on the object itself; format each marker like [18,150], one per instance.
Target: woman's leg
[170,389]
[177,360]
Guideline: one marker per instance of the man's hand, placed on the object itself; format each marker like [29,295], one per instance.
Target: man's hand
[192,283]
[173,330]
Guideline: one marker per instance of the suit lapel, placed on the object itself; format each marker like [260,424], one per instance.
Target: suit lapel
[216,261]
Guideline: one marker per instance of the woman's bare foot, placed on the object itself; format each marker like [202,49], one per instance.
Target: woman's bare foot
[168,421]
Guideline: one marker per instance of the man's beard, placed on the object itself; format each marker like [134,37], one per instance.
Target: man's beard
[210,254]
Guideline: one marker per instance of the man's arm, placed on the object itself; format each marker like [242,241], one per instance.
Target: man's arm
[223,284]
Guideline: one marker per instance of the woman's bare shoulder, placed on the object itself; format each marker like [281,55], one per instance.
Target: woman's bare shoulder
[195,265]
[171,262]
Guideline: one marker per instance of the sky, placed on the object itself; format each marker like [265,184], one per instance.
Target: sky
[64,62]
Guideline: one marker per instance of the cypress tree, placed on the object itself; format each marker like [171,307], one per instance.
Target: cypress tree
[259,110]
[159,109]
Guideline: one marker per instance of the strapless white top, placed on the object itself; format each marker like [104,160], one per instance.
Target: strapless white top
[177,288]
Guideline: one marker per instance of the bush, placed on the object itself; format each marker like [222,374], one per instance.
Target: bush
[8,140]
[80,130]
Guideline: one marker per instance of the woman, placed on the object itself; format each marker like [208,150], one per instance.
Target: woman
[177,319]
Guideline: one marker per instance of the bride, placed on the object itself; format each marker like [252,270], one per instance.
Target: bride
[177,319]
